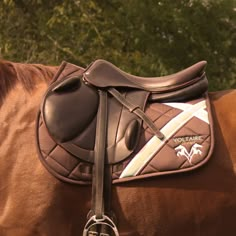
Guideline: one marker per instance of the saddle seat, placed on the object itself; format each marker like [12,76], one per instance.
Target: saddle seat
[103,74]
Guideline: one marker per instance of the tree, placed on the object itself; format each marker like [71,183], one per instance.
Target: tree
[142,37]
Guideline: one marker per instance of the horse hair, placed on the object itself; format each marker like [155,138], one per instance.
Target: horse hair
[27,74]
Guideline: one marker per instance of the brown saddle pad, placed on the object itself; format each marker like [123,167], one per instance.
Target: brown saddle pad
[180,108]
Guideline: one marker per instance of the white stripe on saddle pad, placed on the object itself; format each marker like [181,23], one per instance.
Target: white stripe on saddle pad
[155,144]
[202,114]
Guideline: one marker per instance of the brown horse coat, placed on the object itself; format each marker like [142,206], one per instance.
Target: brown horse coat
[33,203]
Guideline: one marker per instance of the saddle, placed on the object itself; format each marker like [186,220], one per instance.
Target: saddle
[101,125]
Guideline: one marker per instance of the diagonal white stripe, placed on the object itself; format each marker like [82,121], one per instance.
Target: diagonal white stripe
[155,144]
[202,114]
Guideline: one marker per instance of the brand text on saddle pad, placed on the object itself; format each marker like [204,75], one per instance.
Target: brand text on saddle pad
[188,139]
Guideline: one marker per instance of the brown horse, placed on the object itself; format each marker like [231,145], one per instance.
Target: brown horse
[32,202]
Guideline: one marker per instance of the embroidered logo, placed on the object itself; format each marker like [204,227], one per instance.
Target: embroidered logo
[188,139]
[195,149]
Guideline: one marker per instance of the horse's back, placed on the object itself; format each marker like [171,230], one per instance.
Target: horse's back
[32,202]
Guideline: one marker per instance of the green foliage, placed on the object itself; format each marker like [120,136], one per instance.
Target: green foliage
[142,37]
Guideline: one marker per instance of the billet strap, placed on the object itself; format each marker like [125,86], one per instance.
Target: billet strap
[137,111]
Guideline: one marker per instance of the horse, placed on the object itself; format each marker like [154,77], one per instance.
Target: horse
[33,202]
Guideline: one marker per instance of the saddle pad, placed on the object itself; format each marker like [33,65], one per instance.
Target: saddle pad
[188,142]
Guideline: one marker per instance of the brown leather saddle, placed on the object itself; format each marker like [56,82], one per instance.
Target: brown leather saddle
[102,125]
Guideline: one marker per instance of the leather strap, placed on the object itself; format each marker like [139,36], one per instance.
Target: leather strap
[99,223]
[99,158]
[137,111]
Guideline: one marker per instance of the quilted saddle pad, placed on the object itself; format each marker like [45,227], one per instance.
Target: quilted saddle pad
[188,144]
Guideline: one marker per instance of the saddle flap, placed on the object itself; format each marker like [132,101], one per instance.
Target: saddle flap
[63,104]
[69,113]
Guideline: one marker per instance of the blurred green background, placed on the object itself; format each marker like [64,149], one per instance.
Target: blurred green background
[143,37]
